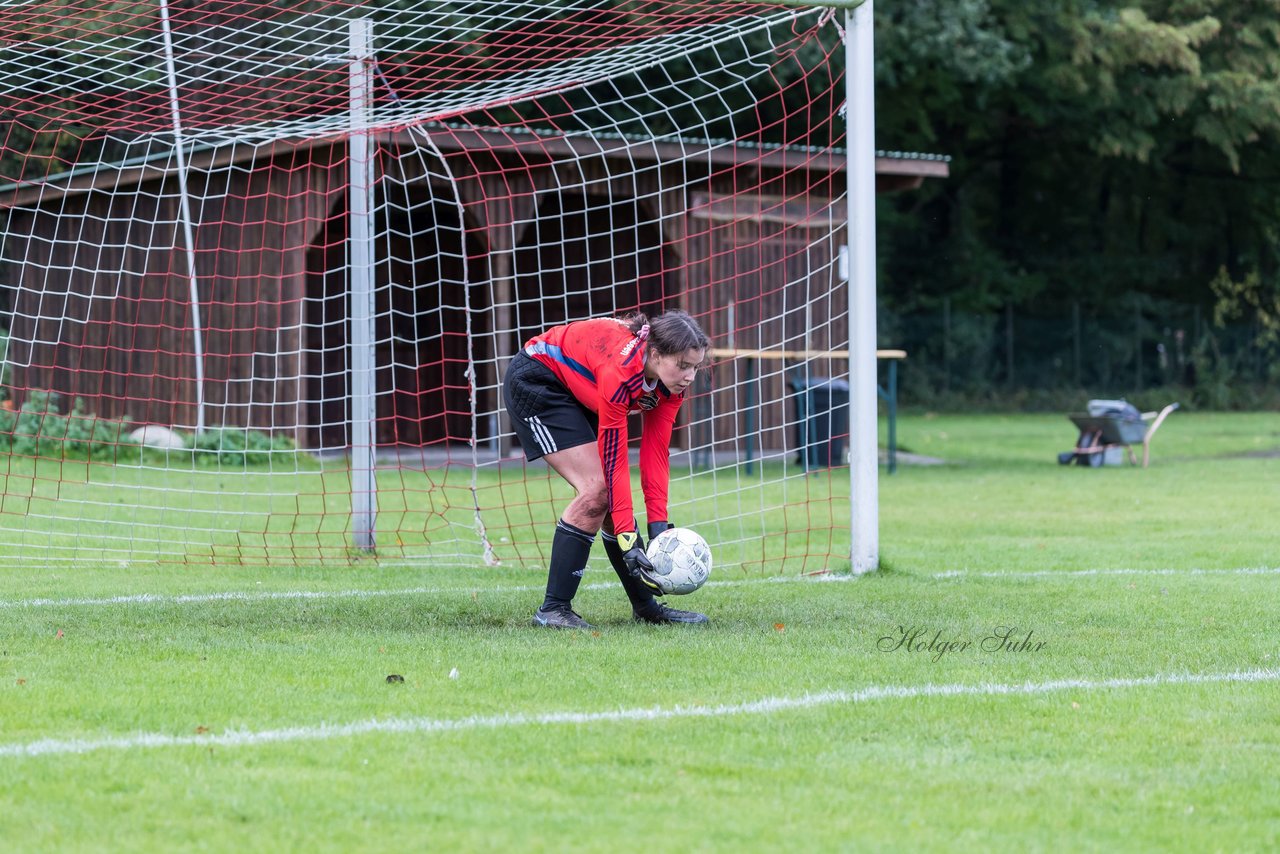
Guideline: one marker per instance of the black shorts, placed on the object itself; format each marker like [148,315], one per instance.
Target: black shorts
[545,415]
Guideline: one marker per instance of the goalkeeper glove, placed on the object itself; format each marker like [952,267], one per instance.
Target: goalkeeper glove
[637,561]
[656,528]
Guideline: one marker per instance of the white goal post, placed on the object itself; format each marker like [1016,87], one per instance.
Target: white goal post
[863,401]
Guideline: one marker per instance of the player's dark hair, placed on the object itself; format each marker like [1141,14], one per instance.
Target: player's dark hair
[635,321]
[674,332]
[671,333]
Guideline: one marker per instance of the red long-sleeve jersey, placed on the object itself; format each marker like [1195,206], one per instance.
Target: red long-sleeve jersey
[602,364]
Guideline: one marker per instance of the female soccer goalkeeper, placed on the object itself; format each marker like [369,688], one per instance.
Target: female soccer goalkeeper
[568,393]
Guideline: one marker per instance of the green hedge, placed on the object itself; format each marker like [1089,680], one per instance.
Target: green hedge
[41,429]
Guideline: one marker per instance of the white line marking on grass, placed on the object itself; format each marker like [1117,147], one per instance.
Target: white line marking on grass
[1073,573]
[817,578]
[325,732]
[234,596]
[821,578]
[286,595]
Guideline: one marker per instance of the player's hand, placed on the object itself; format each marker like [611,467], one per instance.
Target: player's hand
[656,528]
[637,561]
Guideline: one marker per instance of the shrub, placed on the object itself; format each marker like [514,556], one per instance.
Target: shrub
[40,429]
[225,446]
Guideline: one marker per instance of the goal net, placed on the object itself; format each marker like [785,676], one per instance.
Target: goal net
[264,264]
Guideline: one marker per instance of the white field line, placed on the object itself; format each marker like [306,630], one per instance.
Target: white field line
[1076,573]
[248,596]
[768,705]
[274,595]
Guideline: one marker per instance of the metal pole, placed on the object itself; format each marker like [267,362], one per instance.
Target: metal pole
[197,326]
[1075,343]
[1137,343]
[893,415]
[863,454]
[360,165]
[946,344]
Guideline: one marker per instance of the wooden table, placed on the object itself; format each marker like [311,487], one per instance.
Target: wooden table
[888,394]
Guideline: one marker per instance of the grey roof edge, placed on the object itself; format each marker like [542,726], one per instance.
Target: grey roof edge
[167,154]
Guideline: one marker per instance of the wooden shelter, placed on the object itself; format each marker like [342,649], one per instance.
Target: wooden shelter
[484,238]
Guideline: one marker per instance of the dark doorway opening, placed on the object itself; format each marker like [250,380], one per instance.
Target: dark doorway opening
[587,256]
[424,297]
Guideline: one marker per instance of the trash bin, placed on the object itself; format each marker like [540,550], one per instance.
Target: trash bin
[822,420]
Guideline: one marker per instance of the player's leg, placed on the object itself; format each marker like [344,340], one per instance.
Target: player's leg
[575,533]
[644,605]
[580,466]
[551,425]
[641,597]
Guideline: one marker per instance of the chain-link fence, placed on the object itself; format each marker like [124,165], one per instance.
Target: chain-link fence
[1031,356]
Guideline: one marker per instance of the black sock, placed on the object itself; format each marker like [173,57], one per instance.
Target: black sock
[570,548]
[641,597]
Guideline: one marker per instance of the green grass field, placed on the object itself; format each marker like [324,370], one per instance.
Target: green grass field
[1128,703]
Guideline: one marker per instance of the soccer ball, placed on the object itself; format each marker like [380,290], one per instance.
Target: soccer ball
[681,560]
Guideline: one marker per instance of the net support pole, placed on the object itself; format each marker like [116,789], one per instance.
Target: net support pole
[863,441]
[360,285]
[184,200]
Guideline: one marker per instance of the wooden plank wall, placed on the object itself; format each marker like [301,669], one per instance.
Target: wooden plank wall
[763,276]
[100,299]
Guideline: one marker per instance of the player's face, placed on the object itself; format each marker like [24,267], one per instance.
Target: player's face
[677,370]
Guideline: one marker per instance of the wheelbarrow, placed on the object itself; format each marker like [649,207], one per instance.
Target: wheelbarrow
[1110,426]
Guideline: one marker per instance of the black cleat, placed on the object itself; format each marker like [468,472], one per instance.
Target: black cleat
[560,618]
[662,615]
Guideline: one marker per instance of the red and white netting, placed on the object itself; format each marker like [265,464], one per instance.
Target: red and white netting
[181,380]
